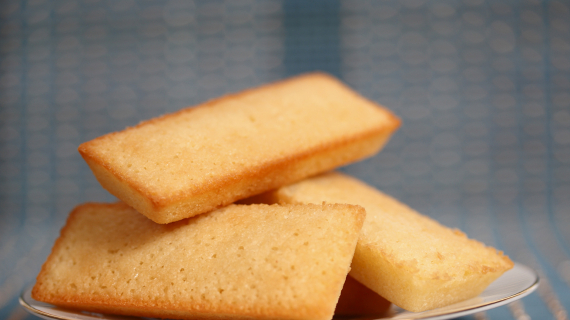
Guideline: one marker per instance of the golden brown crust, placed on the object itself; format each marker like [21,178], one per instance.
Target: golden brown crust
[378,137]
[225,188]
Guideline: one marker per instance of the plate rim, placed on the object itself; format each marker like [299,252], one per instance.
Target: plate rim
[31,309]
[28,305]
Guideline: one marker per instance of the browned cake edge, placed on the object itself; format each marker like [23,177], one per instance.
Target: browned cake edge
[143,309]
[228,189]
[36,294]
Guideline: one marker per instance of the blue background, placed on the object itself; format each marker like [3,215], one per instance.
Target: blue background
[482,87]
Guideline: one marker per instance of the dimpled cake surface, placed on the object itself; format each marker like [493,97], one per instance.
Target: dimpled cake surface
[238,262]
[408,258]
[205,157]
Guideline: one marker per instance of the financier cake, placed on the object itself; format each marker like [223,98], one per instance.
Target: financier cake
[205,157]
[409,259]
[238,262]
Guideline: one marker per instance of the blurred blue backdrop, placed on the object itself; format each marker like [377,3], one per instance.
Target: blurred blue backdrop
[482,87]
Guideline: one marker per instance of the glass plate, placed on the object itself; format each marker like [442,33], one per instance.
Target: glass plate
[513,285]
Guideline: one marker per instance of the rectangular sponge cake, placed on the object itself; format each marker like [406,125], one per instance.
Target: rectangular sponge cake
[409,259]
[201,158]
[238,262]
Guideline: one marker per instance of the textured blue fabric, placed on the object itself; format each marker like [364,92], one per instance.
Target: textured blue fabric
[482,87]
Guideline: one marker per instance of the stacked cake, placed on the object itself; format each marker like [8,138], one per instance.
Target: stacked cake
[227,211]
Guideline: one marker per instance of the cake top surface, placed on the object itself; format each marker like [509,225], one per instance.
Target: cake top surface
[182,152]
[410,240]
[288,261]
